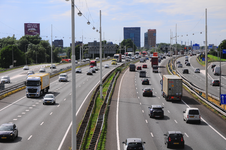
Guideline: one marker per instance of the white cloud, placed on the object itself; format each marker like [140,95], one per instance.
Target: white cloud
[222,31]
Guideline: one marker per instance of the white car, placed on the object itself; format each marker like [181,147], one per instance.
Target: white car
[49,99]
[83,60]
[42,70]
[63,77]
[106,66]
[197,70]
[97,58]
[25,67]
[53,66]
[133,143]
[192,115]
[87,59]
[5,79]
[78,70]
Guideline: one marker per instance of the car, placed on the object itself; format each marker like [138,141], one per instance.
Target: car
[186,61]
[87,59]
[108,57]
[197,70]
[78,70]
[89,72]
[30,72]
[76,61]
[147,92]
[142,60]
[49,99]
[8,131]
[145,82]
[26,67]
[164,57]
[174,138]
[215,82]
[63,77]
[212,67]
[97,58]
[192,115]
[83,60]
[139,68]
[42,70]
[132,58]
[5,79]
[188,64]
[144,66]
[180,66]
[127,59]
[133,143]
[156,111]
[185,71]
[178,62]
[53,66]
[106,66]
[96,68]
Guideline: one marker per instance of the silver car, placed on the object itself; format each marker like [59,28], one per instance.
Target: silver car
[63,77]
[5,79]
[78,70]
[180,66]
[49,99]
[197,70]
[192,115]
[133,143]
[42,70]
[26,67]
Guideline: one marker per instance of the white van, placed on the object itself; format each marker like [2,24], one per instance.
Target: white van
[216,70]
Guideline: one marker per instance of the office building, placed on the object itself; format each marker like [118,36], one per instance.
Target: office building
[132,33]
[151,38]
[58,43]
[146,40]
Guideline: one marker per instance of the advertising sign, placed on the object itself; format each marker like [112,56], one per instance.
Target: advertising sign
[31,28]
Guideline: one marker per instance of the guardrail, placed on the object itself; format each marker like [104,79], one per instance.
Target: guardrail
[212,100]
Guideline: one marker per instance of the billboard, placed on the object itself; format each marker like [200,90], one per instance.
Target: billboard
[31,28]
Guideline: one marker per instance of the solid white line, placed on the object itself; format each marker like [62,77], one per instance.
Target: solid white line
[117,109]
[29,137]
[186,134]
[12,104]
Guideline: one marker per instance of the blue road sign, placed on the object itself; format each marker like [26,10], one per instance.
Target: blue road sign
[223,98]
[224,51]
[203,59]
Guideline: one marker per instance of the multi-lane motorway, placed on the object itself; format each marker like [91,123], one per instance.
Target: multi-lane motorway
[129,118]
[48,126]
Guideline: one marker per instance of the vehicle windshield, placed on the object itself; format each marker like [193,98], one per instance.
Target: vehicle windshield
[175,135]
[157,108]
[49,96]
[6,128]
[4,77]
[33,83]
[63,76]
[134,145]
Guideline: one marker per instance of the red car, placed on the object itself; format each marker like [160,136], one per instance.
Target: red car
[144,66]
[139,68]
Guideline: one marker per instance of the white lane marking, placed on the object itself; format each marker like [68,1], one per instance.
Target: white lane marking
[19,116]
[58,105]
[11,104]
[138,97]
[152,134]
[29,137]
[65,99]
[168,111]
[51,113]
[23,113]
[163,104]
[142,111]
[27,110]
[207,123]
[175,121]
[30,107]
[33,105]
[37,103]
[146,121]
[14,119]
[186,134]
[159,97]
[41,124]
[140,103]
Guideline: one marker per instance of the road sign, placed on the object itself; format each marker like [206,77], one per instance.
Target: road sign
[223,98]
[203,59]
[224,51]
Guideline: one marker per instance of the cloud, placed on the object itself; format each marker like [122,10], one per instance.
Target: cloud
[222,31]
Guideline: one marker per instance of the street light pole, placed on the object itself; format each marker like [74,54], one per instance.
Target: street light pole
[100,59]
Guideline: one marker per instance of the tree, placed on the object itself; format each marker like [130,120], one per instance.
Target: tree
[221,47]
[129,44]
[7,53]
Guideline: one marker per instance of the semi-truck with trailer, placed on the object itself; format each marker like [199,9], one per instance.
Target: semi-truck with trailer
[37,84]
[118,57]
[154,62]
[171,87]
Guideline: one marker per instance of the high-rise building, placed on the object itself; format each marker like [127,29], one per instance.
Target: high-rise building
[151,38]
[132,33]
[58,43]
[146,40]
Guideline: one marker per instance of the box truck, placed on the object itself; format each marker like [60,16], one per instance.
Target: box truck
[171,87]
[154,62]
[37,84]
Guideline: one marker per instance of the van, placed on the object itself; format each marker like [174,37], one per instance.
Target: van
[192,114]
[132,67]
[142,74]
[216,70]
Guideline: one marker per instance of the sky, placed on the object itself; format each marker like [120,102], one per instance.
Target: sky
[184,18]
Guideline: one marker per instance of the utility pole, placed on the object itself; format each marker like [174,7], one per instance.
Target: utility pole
[206,53]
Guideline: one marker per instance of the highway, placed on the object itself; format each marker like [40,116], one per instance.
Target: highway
[128,117]
[48,126]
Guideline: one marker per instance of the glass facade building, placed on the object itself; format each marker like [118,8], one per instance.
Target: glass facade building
[132,33]
[146,40]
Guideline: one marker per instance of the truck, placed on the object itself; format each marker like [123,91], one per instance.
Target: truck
[118,57]
[142,74]
[154,62]
[93,63]
[171,87]
[37,84]
[132,67]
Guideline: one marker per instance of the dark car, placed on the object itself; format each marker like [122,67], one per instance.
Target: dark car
[215,82]
[188,64]
[142,60]
[186,61]
[145,82]
[53,66]
[139,68]
[156,111]
[147,92]
[144,66]
[178,62]
[174,138]
[93,70]
[185,71]
[8,131]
